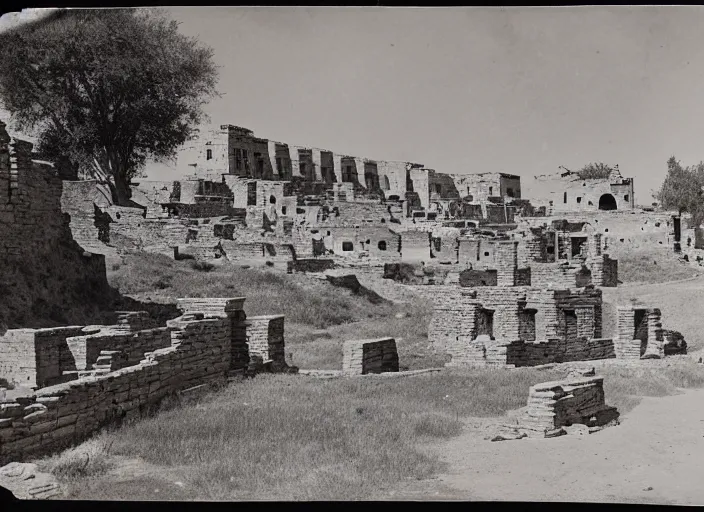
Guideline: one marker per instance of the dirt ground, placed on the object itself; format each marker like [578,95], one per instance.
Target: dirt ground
[654,456]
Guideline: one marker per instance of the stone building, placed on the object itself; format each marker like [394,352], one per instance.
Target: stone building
[482,186]
[567,192]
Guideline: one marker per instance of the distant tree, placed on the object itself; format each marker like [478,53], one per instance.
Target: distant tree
[595,170]
[682,190]
[106,89]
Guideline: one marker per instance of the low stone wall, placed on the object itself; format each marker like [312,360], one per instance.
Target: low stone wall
[108,373]
[360,357]
[57,416]
[35,358]
[310,265]
[86,349]
[552,405]
[486,352]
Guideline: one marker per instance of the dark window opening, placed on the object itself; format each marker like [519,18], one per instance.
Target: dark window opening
[486,253]
[509,192]
[283,210]
[381,245]
[272,200]
[251,194]
[578,244]
[208,154]
[564,198]
[485,323]
[579,200]
[625,198]
[571,332]
[527,324]
[491,191]
[347,246]
[640,328]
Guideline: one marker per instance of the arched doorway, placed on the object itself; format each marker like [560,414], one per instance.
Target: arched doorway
[607,202]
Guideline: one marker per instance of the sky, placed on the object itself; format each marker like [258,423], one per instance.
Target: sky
[465,90]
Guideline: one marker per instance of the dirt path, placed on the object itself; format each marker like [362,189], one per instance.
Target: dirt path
[659,445]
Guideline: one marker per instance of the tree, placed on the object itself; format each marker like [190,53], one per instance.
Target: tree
[595,170]
[106,89]
[682,190]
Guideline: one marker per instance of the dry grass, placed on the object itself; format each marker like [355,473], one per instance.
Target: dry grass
[626,386]
[303,301]
[650,264]
[292,437]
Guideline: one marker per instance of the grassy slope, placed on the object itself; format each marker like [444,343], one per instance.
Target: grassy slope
[319,316]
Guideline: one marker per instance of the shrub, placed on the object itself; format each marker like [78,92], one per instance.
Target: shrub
[203,266]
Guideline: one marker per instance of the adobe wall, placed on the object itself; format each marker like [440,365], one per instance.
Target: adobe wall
[35,242]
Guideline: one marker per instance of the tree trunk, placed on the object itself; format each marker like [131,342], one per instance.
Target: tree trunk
[122,192]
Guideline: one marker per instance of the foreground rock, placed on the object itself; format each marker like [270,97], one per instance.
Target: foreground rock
[26,482]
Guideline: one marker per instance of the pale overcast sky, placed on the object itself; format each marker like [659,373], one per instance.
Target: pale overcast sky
[461,90]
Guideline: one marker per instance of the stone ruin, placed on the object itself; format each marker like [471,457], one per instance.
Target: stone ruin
[70,381]
[35,240]
[575,404]
[513,324]
[362,357]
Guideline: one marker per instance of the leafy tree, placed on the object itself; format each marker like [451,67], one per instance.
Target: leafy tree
[682,190]
[106,89]
[595,170]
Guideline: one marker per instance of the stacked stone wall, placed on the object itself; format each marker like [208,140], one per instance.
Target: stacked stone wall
[552,405]
[58,416]
[361,357]
[35,242]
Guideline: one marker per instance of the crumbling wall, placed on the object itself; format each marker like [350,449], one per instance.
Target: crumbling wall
[361,357]
[640,332]
[265,338]
[57,416]
[552,405]
[46,279]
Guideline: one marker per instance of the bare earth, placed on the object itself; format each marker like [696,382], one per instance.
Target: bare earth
[654,456]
